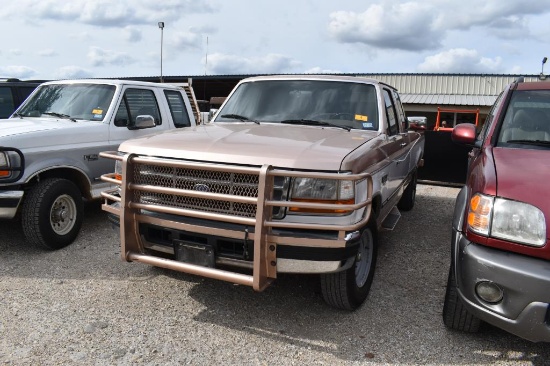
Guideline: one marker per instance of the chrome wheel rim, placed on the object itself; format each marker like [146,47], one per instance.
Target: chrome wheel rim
[63,214]
[363,261]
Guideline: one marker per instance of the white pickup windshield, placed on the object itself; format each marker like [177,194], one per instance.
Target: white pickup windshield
[343,104]
[72,101]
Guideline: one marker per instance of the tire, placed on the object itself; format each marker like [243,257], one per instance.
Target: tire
[348,289]
[406,203]
[52,213]
[455,315]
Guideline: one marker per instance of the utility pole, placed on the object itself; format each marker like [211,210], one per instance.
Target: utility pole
[161,26]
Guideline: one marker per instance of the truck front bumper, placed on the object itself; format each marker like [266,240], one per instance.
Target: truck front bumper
[525,282]
[9,203]
[240,252]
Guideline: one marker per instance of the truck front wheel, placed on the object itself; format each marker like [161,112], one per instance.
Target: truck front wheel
[455,315]
[348,289]
[52,213]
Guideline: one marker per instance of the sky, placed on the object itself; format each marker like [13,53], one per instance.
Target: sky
[63,39]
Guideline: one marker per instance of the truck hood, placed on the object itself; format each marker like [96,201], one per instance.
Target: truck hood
[290,146]
[523,175]
[16,132]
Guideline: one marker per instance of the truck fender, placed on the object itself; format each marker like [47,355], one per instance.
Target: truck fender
[460,207]
[74,174]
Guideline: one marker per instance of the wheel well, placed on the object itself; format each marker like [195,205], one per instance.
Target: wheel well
[73,175]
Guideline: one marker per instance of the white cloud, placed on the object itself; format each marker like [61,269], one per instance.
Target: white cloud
[468,13]
[47,52]
[424,25]
[105,12]
[320,70]
[231,64]
[82,36]
[132,34]
[15,52]
[461,60]
[72,72]
[21,72]
[102,57]
[187,41]
[406,26]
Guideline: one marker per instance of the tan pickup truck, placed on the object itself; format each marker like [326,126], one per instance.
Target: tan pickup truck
[294,174]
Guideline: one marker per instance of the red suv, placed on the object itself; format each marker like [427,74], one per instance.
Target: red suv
[500,259]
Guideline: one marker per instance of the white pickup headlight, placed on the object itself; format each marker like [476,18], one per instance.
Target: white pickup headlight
[118,170]
[4,164]
[332,191]
[506,219]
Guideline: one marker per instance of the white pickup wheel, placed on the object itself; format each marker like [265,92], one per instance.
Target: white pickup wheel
[52,213]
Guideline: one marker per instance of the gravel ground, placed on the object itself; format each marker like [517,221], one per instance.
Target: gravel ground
[82,306]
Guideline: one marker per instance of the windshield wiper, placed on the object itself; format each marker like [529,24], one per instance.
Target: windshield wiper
[311,122]
[239,117]
[15,114]
[60,115]
[530,142]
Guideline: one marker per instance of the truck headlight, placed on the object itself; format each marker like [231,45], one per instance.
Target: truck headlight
[118,170]
[4,164]
[322,191]
[506,219]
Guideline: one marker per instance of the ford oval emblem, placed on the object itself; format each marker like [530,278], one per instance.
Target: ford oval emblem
[201,187]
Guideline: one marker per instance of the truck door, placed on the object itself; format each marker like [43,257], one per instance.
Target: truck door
[395,146]
[134,101]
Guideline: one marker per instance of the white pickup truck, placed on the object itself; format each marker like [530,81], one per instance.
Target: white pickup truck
[294,174]
[49,148]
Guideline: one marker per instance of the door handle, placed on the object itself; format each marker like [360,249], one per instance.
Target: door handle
[403,144]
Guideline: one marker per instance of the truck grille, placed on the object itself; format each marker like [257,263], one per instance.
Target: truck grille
[237,184]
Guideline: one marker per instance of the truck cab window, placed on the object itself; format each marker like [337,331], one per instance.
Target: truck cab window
[6,102]
[391,115]
[137,102]
[177,108]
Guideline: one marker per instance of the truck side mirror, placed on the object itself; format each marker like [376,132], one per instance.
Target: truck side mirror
[142,122]
[211,113]
[464,134]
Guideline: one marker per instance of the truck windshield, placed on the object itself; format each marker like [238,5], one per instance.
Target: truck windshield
[342,104]
[527,120]
[71,101]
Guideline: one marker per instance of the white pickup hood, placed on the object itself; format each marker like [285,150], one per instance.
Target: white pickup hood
[27,132]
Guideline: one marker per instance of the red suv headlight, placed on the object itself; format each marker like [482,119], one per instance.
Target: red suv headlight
[507,219]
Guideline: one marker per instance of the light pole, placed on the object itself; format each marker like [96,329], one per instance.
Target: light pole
[161,26]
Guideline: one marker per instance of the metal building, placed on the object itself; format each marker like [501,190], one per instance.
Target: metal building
[421,94]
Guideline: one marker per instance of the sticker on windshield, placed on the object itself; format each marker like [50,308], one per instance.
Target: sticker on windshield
[360,117]
[367,125]
[98,113]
